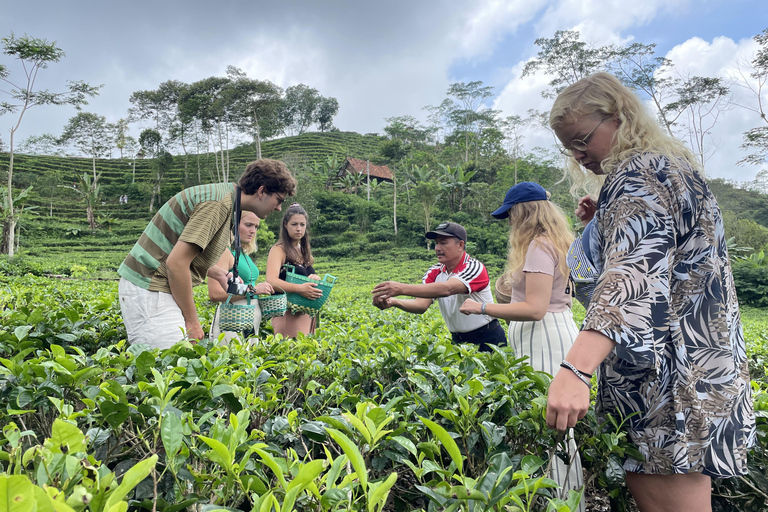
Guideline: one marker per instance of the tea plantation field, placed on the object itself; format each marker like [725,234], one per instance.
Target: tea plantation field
[377,411]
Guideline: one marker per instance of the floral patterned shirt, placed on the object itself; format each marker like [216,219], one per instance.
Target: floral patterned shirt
[666,297]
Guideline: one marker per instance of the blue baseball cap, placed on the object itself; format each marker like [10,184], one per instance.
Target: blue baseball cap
[523,192]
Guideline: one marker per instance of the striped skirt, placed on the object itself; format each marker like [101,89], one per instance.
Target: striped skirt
[546,342]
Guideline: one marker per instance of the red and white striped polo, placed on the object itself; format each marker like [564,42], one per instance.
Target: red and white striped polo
[475,278]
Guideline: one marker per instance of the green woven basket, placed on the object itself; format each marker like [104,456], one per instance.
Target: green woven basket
[297,303]
[236,317]
[273,305]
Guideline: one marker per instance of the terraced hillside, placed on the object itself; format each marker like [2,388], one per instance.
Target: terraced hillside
[59,213]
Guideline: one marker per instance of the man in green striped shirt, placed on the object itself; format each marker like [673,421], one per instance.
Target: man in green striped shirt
[182,242]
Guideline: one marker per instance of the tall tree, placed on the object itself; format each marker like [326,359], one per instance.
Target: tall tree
[753,81]
[700,101]
[212,101]
[45,144]
[467,114]
[299,106]
[426,195]
[90,192]
[639,68]
[456,183]
[326,110]
[152,144]
[513,128]
[567,59]
[91,135]
[256,104]
[120,135]
[33,55]
[131,149]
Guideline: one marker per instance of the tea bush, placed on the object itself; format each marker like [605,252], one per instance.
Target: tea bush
[376,410]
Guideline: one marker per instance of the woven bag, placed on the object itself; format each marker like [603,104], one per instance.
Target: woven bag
[273,305]
[503,290]
[237,317]
[300,304]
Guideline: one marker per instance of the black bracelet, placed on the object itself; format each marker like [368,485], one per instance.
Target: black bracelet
[566,364]
[585,377]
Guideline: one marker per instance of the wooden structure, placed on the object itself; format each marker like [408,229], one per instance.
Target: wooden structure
[362,167]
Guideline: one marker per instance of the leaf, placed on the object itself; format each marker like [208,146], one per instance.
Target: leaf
[171,433]
[114,413]
[220,455]
[314,430]
[307,473]
[144,364]
[448,443]
[66,434]
[273,465]
[351,451]
[530,464]
[16,494]
[21,331]
[405,443]
[333,497]
[359,425]
[114,390]
[131,479]
[379,495]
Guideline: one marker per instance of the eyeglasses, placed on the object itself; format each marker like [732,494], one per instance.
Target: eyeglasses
[579,144]
[280,199]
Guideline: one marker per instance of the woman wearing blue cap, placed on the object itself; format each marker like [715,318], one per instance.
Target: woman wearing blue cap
[662,328]
[541,324]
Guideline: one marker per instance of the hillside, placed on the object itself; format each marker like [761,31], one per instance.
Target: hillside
[60,222]
[55,223]
[49,174]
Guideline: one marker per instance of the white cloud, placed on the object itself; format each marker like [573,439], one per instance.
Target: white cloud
[521,95]
[722,58]
[601,21]
[489,22]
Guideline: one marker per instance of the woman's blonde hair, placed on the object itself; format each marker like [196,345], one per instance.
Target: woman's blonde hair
[603,96]
[537,220]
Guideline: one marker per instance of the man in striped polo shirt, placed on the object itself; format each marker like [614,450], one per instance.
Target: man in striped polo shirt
[181,244]
[455,278]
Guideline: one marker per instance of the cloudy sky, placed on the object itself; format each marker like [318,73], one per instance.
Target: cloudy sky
[379,59]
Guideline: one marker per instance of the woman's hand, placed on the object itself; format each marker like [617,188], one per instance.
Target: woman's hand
[263,289]
[310,291]
[568,400]
[314,276]
[586,209]
[471,307]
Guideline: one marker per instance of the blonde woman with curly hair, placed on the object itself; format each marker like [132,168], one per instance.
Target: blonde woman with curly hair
[541,324]
[663,326]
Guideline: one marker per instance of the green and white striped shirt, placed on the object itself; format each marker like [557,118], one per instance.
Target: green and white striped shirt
[201,216]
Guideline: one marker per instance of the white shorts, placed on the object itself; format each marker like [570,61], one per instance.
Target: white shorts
[152,318]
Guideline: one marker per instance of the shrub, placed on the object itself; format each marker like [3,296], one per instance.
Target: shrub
[751,283]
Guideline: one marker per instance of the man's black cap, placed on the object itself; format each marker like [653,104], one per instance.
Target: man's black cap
[448,229]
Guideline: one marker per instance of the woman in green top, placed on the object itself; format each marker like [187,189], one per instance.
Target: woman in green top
[248,272]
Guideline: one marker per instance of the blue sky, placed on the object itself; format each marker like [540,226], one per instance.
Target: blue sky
[736,19]
[379,59]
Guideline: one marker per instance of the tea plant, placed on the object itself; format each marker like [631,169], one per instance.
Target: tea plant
[377,410]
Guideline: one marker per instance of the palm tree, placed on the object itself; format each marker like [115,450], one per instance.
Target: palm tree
[90,192]
[456,183]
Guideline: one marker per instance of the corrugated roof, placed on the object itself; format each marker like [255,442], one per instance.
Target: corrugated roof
[377,171]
